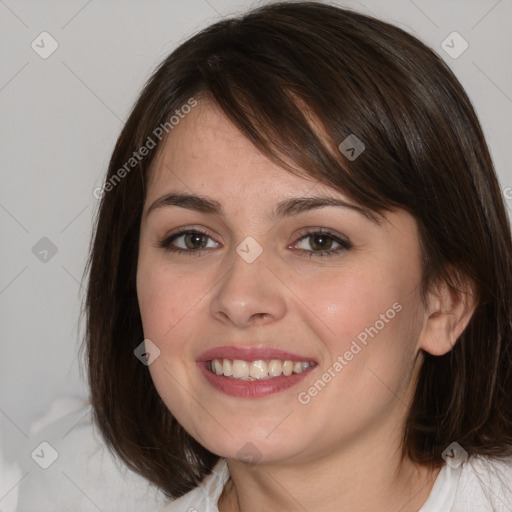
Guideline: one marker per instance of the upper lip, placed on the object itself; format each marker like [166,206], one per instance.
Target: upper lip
[251,354]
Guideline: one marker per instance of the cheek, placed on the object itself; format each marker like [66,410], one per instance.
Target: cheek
[167,304]
[165,298]
[367,315]
[348,302]
[171,306]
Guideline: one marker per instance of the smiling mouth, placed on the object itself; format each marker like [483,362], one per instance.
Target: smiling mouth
[238,369]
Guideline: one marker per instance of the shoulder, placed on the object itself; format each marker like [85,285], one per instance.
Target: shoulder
[203,498]
[485,484]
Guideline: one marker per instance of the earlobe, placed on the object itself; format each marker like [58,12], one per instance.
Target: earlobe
[447,315]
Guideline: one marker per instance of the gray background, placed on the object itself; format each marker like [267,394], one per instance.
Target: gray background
[60,117]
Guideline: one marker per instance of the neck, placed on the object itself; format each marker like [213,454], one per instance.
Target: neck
[363,476]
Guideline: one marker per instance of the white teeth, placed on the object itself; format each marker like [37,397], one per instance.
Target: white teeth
[227,368]
[240,369]
[287,368]
[257,370]
[217,367]
[275,368]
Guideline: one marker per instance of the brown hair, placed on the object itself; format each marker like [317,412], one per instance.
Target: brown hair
[425,153]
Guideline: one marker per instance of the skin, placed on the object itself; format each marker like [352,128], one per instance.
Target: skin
[341,451]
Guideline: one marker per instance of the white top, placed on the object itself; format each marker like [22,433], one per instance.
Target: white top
[479,484]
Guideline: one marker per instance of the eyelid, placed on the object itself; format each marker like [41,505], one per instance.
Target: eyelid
[188,229]
[341,240]
[313,230]
[167,239]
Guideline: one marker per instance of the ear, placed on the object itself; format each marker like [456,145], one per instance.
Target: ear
[447,315]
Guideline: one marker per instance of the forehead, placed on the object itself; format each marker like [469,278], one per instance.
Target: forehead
[206,155]
[206,151]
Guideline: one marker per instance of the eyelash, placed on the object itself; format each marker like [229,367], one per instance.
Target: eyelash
[344,244]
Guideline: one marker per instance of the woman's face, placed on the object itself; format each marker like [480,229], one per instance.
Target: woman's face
[255,293]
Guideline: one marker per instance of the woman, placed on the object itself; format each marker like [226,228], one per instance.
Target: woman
[300,282]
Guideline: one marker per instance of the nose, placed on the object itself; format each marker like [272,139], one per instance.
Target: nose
[248,293]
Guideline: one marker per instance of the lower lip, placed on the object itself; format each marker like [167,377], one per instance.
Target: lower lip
[251,388]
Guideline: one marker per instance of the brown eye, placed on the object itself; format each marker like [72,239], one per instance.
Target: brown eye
[195,240]
[321,243]
[192,241]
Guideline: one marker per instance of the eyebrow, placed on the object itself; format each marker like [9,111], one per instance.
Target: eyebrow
[291,206]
